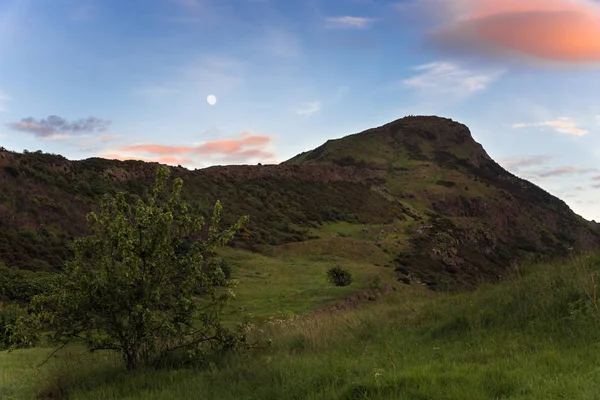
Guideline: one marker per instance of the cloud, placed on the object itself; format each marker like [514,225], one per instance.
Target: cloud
[525,161]
[58,128]
[248,147]
[550,30]
[559,171]
[561,125]
[348,22]
[446,77]
[309,109]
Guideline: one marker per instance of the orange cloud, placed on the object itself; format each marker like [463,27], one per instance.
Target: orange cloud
[250,147]
[552,30]
[561,125]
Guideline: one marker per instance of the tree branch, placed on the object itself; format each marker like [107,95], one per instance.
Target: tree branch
[53,353]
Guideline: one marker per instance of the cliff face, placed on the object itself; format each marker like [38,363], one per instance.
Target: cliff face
[450,215]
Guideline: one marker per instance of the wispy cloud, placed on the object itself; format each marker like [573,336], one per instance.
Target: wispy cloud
[551,30]
[517,163]
[448,77]
[247,147]
[309,109]
[559,171]
[561,125]
[348,22]
[57,128]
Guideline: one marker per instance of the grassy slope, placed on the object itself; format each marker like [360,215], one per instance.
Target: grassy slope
[534,337]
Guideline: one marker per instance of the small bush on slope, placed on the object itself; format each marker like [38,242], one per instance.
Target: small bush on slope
[339,276]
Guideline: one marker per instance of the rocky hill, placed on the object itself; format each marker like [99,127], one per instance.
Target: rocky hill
[446,213]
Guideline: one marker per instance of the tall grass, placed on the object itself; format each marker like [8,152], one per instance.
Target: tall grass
[533,337]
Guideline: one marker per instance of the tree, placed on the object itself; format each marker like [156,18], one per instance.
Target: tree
[144,283]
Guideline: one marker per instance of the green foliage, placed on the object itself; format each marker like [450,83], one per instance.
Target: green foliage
[143,283]
[9,315]
[22,285]
[339,276]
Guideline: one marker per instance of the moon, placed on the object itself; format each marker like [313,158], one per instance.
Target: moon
[211,99]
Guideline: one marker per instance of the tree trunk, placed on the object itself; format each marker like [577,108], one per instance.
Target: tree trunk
[132,359]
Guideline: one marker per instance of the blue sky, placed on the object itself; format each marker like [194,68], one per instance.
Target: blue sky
[130,79]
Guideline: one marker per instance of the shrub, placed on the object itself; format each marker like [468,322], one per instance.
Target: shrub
[8,318]
[339,276]
[137,284]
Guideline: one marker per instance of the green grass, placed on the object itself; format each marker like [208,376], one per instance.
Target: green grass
[286,286]
[535,336]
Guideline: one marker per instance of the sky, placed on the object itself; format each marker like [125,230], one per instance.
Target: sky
[218,82]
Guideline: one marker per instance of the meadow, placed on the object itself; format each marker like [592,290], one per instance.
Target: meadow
[533,336]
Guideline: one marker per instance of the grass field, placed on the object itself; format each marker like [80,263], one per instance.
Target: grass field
[533,337]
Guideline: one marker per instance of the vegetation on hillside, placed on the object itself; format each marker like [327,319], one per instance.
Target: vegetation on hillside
[145,283]
[464,219]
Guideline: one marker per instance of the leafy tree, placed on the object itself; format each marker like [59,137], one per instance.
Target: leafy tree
[144,283]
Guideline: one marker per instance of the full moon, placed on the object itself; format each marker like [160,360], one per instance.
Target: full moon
[211,99]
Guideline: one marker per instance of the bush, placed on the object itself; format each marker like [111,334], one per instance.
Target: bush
[339,276]
[8,318]
[22,285]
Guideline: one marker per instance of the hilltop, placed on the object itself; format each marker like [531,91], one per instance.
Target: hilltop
[418,195]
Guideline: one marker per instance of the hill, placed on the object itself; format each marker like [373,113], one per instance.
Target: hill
[418,195]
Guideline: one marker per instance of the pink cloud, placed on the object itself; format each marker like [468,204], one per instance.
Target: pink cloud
[162,160]
[552,30]
[561,125]
[248,147]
